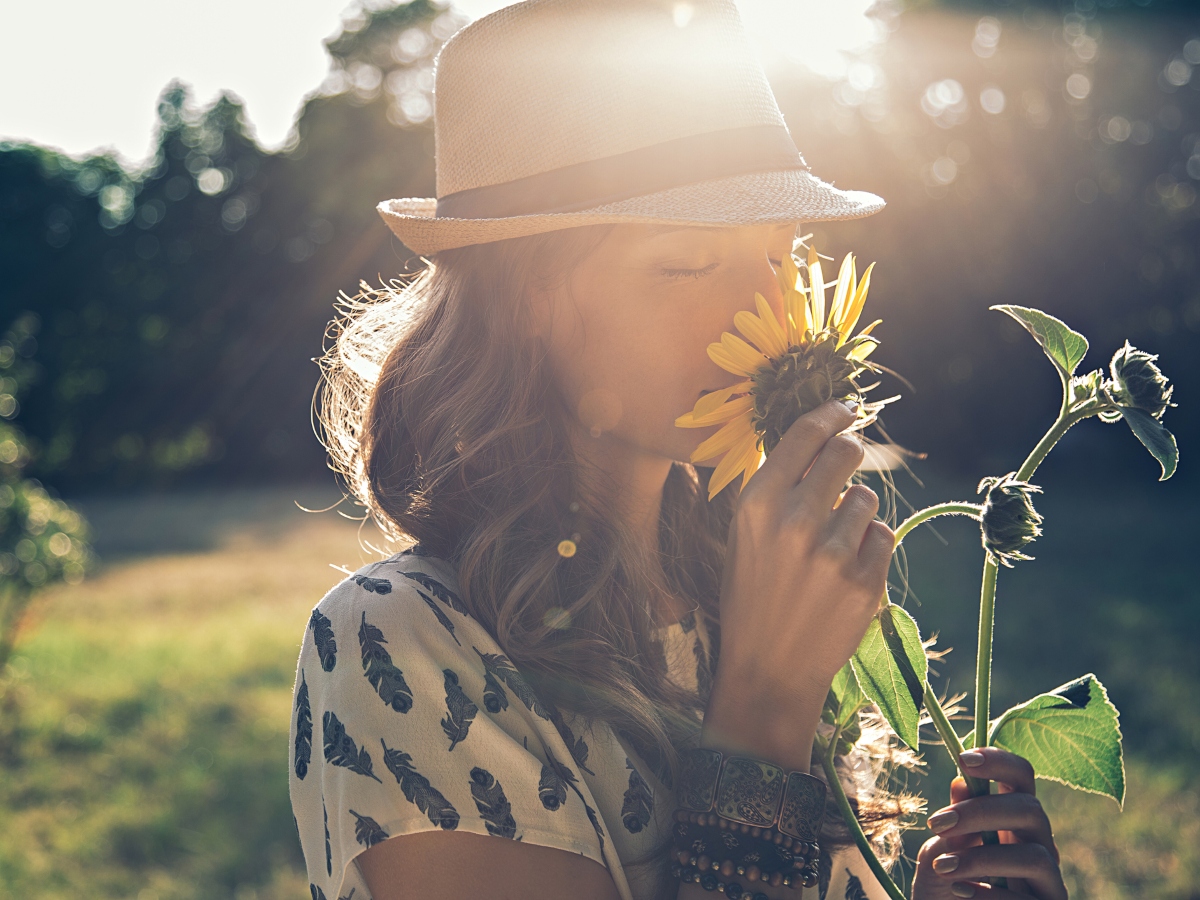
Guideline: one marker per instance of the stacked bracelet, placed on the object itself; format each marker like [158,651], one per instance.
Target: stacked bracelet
[746,817]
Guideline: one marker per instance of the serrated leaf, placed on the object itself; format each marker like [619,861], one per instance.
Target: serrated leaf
[1070,735]
[891,668]
[1155,438]
[1066,348]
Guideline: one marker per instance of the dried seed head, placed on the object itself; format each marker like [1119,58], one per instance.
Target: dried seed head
[1008,520]
[1137,381]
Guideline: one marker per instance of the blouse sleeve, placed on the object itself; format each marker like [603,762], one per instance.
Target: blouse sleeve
[407,718]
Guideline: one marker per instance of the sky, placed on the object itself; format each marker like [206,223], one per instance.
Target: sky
[82,76]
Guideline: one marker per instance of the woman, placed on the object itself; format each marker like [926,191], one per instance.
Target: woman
[528,701]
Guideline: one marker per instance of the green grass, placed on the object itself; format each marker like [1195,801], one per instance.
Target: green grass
[145,735]
[143,738]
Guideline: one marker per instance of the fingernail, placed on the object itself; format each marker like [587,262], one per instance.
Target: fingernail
[945,863]
[851,405]
[971,758]
[940,821]
[962,889]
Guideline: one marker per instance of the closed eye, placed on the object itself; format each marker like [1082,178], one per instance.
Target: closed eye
[689,273]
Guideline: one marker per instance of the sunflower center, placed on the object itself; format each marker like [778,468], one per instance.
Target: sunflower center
[798,382]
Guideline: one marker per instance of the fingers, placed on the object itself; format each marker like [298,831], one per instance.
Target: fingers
[848,524]
[1019,813]
[821,486]
[796,451]
[994,764]
[1030,862]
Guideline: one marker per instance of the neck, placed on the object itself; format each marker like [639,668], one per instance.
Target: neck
[638,478]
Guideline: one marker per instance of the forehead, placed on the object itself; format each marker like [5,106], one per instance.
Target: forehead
[676,235]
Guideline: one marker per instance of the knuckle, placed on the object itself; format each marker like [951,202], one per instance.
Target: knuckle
[862,495]
[810,429]
[846,448]
[928,851]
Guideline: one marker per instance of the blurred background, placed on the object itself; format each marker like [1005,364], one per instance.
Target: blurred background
[161,302]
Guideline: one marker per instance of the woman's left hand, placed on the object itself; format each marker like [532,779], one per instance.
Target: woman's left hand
[956,862]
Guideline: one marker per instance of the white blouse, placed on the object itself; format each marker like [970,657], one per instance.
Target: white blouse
[407,717]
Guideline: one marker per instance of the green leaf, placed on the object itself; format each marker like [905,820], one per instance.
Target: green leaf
[1070,735]
[1066,348]
[891,668]
[1155,438]
[847,696]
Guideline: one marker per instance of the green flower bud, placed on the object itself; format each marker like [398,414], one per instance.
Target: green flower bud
[1086,387]
[1008,520]
[1137,381]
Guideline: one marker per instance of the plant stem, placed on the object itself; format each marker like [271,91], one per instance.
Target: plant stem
[930,512]
[828,751]
[949,736]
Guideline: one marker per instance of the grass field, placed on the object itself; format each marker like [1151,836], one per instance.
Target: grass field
[143,743]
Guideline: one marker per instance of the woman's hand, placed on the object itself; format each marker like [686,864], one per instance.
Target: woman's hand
[956,861]
[804,574]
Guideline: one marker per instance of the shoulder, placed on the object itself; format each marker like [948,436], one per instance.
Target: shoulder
[409,599]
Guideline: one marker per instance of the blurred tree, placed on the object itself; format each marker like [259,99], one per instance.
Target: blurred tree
[183,304]
[42,540]
[1028,153]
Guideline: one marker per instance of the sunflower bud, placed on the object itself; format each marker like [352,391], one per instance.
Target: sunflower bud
[1086,387]
[1008,519]
[1137,381]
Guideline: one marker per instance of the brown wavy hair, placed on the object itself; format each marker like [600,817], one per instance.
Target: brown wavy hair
[440,412]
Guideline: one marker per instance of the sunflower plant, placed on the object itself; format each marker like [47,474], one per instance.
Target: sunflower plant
[791,366]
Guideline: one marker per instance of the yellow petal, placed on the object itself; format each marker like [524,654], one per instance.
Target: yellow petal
[721,357]
[723,413]
[731,466]
[796,305]
[773,325]
[863,350]
[850,319]
[787,274]
[869,328]
[753,462]
[841,292]
[710,402]
[816,291]
[731,434]
[742,353]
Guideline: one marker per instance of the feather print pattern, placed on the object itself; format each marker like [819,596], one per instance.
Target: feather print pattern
[595,820]
[498,667]
[316,892]
[328,852]
[703,672]
[493,806]
[340,749]
[460,711]
[373,585]
[417,789]
[303,746]
[367,831]
[854,888]
[824,872]
[387,680]
[322,630]
[552,786]
[438,590]
[638,804]
[443,619]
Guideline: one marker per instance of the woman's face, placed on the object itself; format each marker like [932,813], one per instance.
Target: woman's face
[627,336]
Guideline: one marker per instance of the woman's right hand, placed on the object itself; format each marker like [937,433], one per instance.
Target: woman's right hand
[804,574]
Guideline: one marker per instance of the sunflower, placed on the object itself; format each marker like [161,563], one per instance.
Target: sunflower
[789,367]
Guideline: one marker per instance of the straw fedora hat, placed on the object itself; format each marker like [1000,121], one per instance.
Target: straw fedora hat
[552,114]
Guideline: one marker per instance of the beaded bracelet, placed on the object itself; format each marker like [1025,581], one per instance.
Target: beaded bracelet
[743,815]
[709,881]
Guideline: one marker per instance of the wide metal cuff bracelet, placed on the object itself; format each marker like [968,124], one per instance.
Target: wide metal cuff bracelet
[752,792]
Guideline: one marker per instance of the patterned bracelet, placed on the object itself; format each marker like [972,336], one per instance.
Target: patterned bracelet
[780,814]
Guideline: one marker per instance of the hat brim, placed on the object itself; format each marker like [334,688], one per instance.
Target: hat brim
[763,198]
